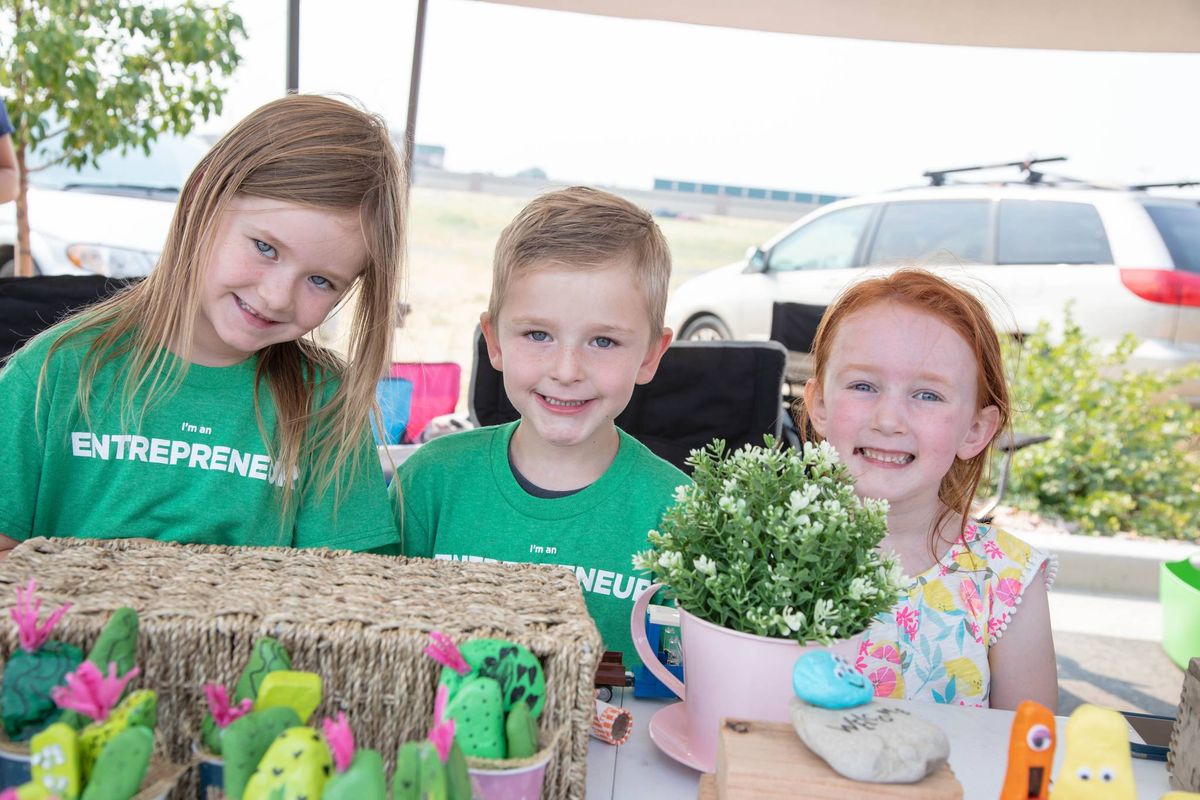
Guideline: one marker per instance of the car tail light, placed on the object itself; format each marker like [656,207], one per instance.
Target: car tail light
[1171,286]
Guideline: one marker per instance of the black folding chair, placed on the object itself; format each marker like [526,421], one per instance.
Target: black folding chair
[702,391]
[30,305]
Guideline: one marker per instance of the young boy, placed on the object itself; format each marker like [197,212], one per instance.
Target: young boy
[575,320]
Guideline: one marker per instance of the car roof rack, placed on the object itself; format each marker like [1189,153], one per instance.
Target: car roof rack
[937,177]
[1141,187]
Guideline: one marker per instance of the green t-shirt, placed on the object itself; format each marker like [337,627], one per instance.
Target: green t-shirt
[195,470]
[460,501]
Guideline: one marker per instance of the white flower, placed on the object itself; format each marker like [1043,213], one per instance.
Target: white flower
[672,559]
[793,619]
[681,492]
[860,587]
[705,565]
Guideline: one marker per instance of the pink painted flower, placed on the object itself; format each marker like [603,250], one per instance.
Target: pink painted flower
[996,625]
[443,650]
[1008,590]
[992,549]
[31,635]
[943,570]
[884,681]
[340,739]
[970,532]
[89,692]
[886,652]
[223,712]
[974,626]
[909,619]
[442,732]
[970,597]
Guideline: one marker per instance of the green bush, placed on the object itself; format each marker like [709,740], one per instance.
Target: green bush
[1123,452]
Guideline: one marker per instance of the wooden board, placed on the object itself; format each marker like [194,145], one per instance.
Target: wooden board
[1183,759]
[708,787]
[761,760]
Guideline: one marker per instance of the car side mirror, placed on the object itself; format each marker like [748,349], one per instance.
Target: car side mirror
[756,259]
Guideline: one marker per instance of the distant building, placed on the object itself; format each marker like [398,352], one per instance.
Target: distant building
[747,192]
[429,155]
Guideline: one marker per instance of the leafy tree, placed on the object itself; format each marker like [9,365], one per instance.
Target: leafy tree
[84,76]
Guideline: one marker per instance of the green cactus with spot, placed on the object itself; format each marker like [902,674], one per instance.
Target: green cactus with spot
[54,760]
[116,644]
[406,780]
[420,774]
[478,714]
[246,740]
[513,666]
[25,703]
[122,765]
[139,709]
[298,762]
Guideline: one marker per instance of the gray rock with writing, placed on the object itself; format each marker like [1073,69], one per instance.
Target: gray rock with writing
[879,742]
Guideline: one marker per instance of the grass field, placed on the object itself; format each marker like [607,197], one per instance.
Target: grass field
[451,237]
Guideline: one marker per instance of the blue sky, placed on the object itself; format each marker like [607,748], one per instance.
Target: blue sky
[620,102]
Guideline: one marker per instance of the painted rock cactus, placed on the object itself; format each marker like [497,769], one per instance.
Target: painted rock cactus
[478,714]
[122,765]
[298,762]
[266,657]
[33,671]
[299,691]
[54,761]
[513,666]
[25,701]
[116,644]
[138,709]
[247,740]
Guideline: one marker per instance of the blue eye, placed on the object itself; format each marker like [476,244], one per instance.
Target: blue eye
[538,336]
[264,248]
[603,342]
[320,282]
[931,396]
[860,386]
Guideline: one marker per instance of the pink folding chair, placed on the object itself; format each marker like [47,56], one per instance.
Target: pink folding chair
[435,392]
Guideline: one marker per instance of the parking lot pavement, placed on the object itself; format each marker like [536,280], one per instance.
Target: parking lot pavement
[1109,654]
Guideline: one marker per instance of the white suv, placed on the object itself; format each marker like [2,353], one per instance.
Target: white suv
[108,219]
[1129,262]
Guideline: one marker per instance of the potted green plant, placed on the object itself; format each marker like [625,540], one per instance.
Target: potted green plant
[767,553]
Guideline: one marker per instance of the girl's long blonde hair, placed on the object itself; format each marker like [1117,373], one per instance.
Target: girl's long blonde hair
[963,313]
[308,150]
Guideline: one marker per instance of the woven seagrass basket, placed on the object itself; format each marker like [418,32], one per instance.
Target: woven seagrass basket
[359,621]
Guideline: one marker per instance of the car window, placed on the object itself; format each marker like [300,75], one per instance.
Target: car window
[934,229]
[1180,229]
[828,242]
[164,170]
[1050,232]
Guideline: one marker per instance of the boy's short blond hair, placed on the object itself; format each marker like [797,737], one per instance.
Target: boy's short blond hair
[584,228]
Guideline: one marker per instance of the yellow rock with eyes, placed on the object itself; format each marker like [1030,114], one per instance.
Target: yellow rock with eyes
[1096,763]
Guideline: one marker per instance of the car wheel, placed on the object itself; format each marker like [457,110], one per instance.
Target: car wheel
[705,328]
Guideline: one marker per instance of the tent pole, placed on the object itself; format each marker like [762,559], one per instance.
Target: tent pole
[293,46]
[414,88]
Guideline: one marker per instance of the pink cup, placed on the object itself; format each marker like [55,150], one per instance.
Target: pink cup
[521,783]
[728,674]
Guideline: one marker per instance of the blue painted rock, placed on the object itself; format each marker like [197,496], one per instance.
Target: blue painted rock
[827,681]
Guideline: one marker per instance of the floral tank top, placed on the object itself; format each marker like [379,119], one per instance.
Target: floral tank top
[933,644]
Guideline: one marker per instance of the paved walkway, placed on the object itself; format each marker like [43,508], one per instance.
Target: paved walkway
[1109,653]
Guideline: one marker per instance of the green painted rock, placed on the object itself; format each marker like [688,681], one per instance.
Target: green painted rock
[521,732]
[298,761]
[478,714]
[25,703]
[245,742]
[458,780]
[267,656]
[299,691]
[433,775]
[513,666]
[54,760]
[122,765]
[138,709]
[117,643]
[406,780]
[364,779]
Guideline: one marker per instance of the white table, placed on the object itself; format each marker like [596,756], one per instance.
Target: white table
[978,755]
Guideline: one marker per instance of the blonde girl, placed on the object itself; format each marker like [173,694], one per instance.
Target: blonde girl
[193,407]
[909,387]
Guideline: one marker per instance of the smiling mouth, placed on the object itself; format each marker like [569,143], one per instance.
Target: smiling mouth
[557,403]
[250,310]
[887,457]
